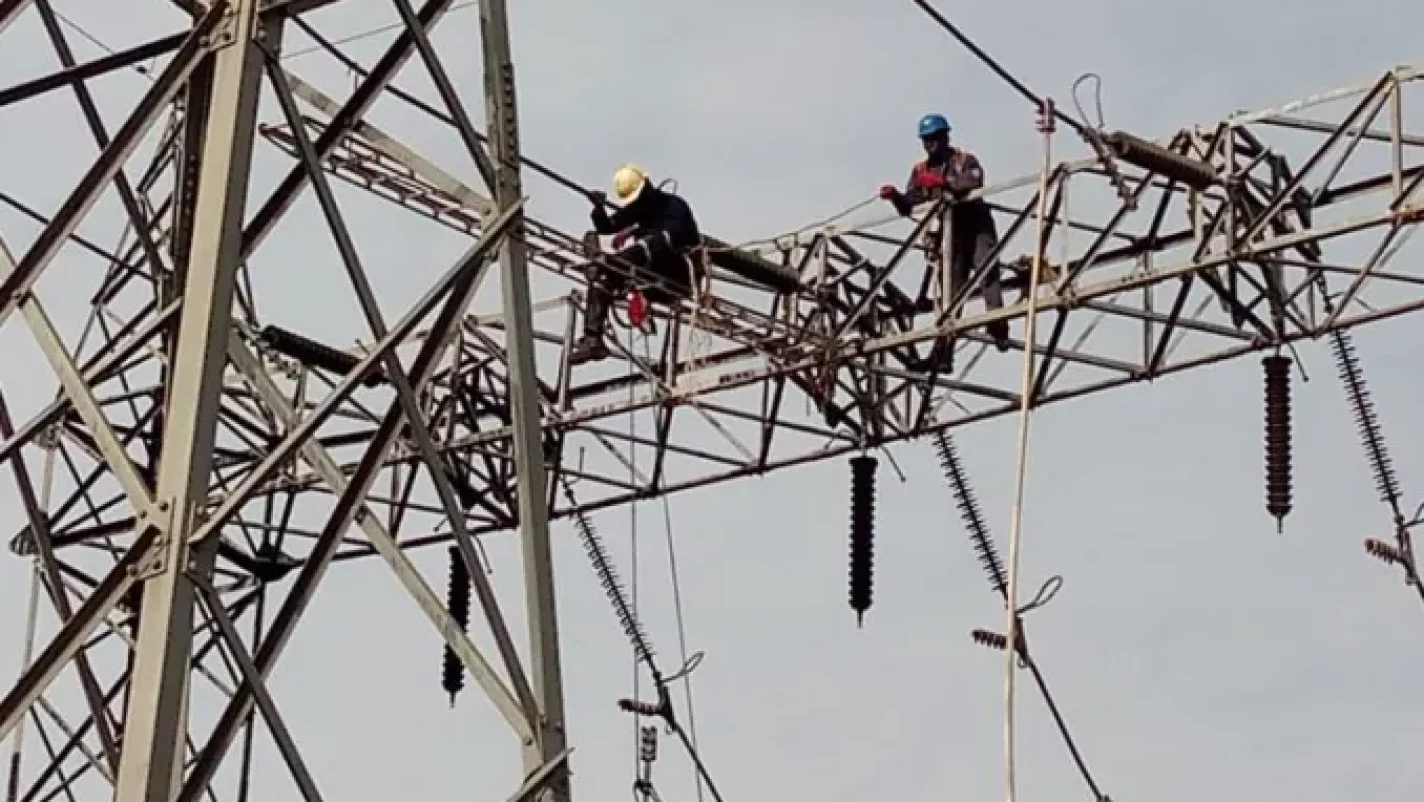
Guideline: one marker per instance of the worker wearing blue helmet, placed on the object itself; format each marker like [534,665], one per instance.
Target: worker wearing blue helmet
[947,169]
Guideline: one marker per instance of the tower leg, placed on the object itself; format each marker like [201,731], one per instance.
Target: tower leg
[151,766]
[503,126]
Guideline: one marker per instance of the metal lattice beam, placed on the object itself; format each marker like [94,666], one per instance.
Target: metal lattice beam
[203,462]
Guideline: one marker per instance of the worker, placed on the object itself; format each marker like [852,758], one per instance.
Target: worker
[955,171]
[664,235]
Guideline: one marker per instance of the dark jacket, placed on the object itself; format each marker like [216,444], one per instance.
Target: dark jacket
[653,212]
[962,174]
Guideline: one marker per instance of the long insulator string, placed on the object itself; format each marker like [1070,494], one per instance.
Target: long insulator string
[1352,376]
[612,585]
[633,629]
[1277,368]
[862,533]
[458,600]
[958,478]
[970,511]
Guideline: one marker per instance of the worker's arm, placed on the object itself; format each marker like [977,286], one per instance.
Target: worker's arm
[904,202]
[968,177]
[679,226]
[605,223]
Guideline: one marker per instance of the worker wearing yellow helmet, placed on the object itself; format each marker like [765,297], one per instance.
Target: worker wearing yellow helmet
[663,232]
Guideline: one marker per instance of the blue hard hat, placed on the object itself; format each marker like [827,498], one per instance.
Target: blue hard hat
[932,124]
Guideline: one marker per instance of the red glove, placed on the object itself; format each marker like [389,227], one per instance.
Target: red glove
[929,179]
[889,191]
[638,312]
[621,238]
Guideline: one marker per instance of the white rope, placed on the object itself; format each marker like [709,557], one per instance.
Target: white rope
[1011,611]
[633,545]
[676,580]
[794,235]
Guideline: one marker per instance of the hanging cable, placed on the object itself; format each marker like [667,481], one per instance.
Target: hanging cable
[674,575]
[958,479]
[95,41]
[613,587]
[1099,121]
[633,548]
[367,33]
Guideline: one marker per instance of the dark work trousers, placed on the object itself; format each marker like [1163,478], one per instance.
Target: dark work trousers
[967,258]
[650,259]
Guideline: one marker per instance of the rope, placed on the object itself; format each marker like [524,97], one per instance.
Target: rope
[633,540]
[686,658]
[366,34]
[676,578]
[146,71]
[1011,609]
[820,224]
[1100,120]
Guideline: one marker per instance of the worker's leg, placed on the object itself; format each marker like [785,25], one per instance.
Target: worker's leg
[673,275]
[603,286]
[983,248]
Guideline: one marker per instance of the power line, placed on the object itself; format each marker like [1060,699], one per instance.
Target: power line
[997,68]
[366,34]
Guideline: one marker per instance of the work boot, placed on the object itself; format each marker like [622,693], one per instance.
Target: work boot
[589,348]
[999,331]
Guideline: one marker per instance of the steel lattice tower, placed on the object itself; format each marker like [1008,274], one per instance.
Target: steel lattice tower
[197,431]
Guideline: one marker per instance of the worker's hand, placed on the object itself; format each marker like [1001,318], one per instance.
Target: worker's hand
[929,179]
[621,238]
[597,197]
[889,192]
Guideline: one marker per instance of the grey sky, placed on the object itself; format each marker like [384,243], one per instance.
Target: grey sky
[1196,653]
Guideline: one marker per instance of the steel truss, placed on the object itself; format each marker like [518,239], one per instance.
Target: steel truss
[815,344]
[165,387]
[200,455]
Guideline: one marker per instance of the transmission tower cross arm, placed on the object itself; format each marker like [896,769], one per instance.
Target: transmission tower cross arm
[1229,239]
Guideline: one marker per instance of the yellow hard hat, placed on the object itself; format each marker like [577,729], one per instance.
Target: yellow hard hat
[628,183]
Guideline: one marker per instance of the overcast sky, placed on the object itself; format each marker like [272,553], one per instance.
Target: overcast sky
[1196,653]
